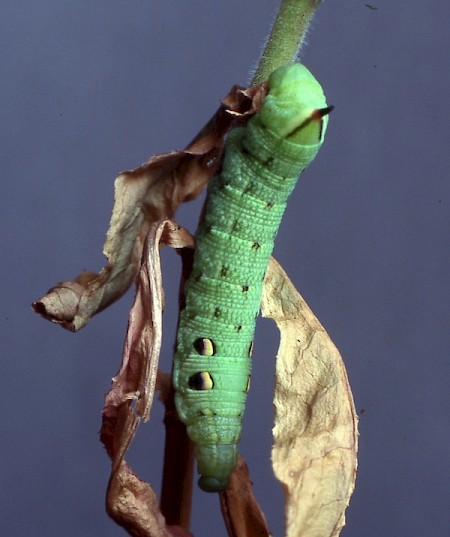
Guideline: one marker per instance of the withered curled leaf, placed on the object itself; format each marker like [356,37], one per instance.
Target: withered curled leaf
[136,380]
[130,501]
[142,197]
[315,432]
[133,505]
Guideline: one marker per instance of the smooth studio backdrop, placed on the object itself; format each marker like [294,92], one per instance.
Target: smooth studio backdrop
[92,88]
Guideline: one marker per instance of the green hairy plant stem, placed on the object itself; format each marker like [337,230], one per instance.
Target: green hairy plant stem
[234,242]
[286,37]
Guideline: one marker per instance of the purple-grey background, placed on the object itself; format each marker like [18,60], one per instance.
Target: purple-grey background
[90,88]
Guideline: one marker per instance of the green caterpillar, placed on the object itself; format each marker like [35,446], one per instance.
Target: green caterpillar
[234,242]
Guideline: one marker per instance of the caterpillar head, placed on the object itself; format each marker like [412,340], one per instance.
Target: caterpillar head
[295,107]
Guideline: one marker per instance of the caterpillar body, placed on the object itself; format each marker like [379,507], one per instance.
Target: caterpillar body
[234,242]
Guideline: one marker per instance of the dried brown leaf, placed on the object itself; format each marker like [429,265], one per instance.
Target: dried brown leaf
[136,379]
[142,197]
[241,512]
[130,501]
[132,504]
[315,432]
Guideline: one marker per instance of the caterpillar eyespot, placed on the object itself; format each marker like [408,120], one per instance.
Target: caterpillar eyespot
[201,381]
[204,346]
[245,204]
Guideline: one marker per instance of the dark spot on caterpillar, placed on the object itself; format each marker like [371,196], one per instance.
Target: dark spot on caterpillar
[245,288]
[269,161]
[236,226]
[217,312]
[247,388]
[238,327]
[223,271]
[204,346]
[245,151]
[201,381]
[269,204]
[198,277]
[256,246]
[321,130]
[206,413]
[250,349]
[248,188]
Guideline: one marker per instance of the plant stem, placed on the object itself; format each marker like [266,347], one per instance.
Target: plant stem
[286,37]
[178,471]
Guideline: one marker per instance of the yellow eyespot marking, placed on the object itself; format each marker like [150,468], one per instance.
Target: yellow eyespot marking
[201,381]
[204,346]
